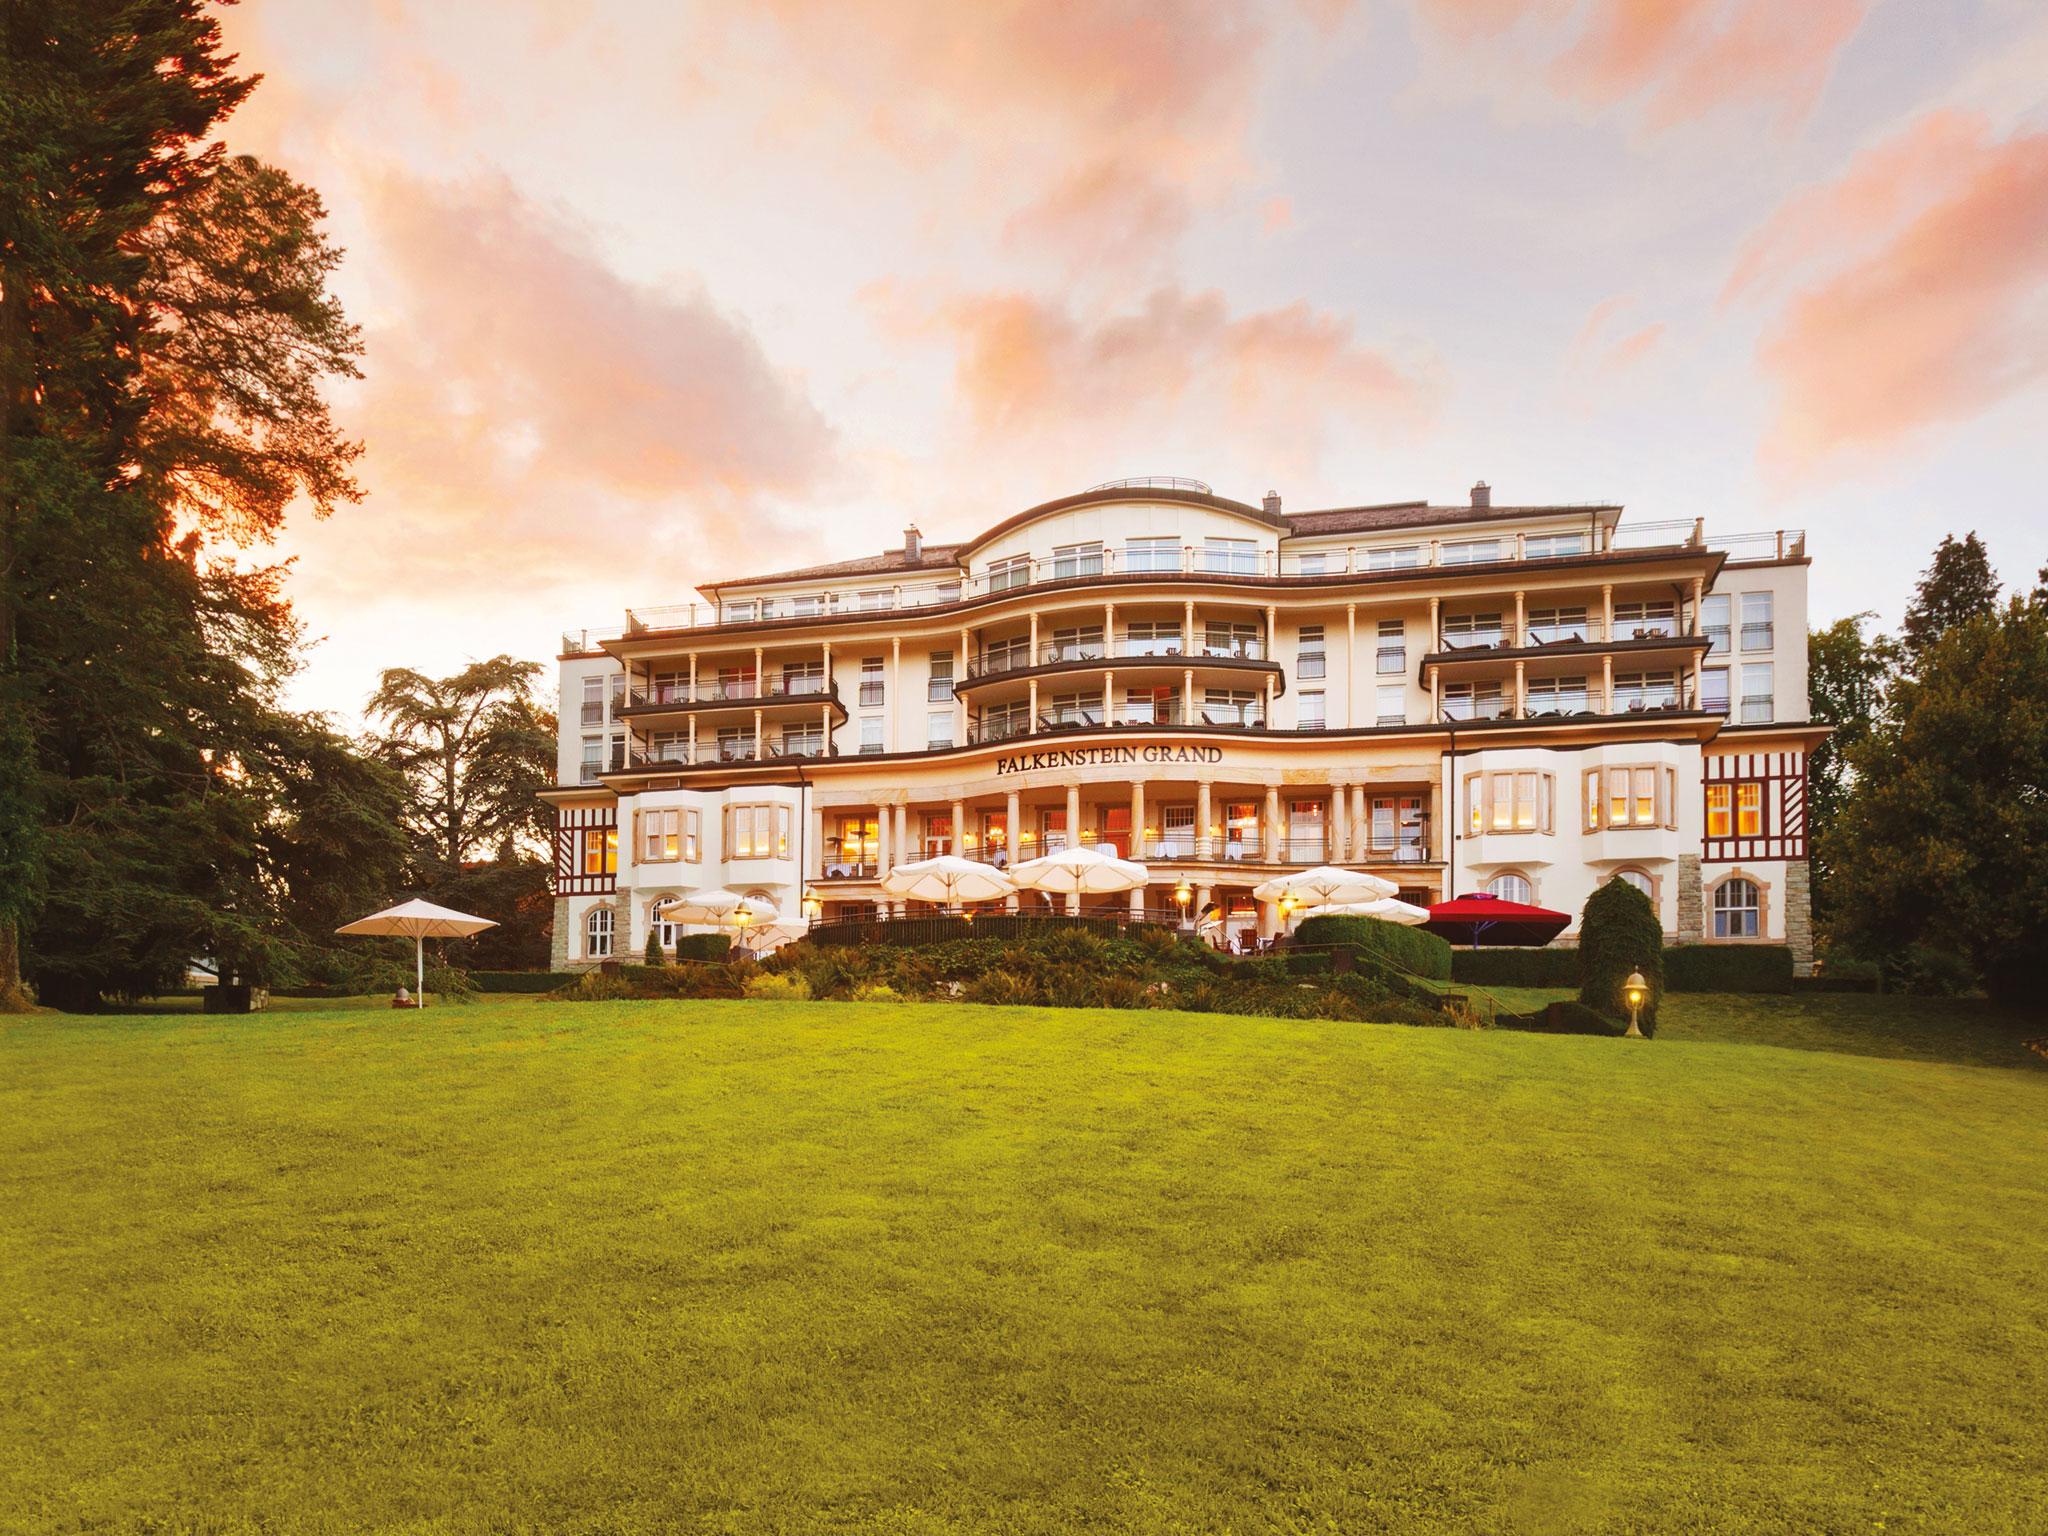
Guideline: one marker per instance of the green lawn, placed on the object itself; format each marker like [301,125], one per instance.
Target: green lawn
[808,1267]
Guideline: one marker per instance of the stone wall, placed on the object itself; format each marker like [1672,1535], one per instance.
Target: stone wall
[558,943]
[1692,902]
[1799,915]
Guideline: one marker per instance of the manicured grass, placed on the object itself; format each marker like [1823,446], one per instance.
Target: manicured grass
[812,1267]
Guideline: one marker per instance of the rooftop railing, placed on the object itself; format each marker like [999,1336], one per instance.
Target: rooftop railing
[1188,561]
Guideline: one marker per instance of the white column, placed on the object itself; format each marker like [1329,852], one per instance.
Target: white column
[1339,819]
[1351,720]
[1138,819]
[1607,613]
[959,847]
[1012,824]
[1276,831]
[1205,835]
[1073,836]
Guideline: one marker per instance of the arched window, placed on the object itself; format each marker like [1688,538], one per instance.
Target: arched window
[1638,879]
[666,930]
[1738,909]
[597,934]
[1509,886]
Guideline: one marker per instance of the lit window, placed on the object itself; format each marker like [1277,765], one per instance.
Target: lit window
[600,850]
[1719,799]
[1510,887]
[1638,879]
[1749,809]
[597,934]
[1738,909]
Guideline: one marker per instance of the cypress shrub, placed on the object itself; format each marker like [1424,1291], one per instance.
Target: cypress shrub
[654,953]
[1407,949]
[1516,967]
[702,946]
[1618,933]
[1728,968]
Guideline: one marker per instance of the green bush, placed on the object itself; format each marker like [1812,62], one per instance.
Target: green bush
[521,981]
[876,992]
[1619,933]
[703,946]
[1407,949]
[1516,967]
[1728,968]
[654,954]
[1563,1017]
[786,987]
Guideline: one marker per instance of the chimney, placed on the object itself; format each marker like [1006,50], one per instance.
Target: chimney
[913,544]
[1482,496]
[1272,503]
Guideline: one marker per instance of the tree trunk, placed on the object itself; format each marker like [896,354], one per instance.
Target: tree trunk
[17,393]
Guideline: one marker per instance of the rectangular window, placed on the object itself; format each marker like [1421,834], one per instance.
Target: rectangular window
[737,613]
[1553,546]
[616,692]
[661,836]
[1749,809]
[1151,554]
[1757,628]
[1471,631]
[736,682]
[938,730]
[1230,557]
[735,744]
[1240,641]
[1309,657]
[757,831]
[1646,797]
[1592,799]
[1714,690]
[1393,646]
[1638,691]
[803,677]
[1645,621]
[1473,701]
[1399,557]
[1070,561]
[1757,698]
[870,735]
[1312,564]
[939,688]
[1006,655]
[600,850]
[1308,712]
[1147,638]
[1083,643]
[1557,696]
[593,759]
[668,747]
[871,688]
[806,740]
[1557,626]
[1503,798]
[1073,709]
[1150,706]
[1393,704]
[593,701]
[938,835]
[1469,552]
[1714,622]
[1006,575]
[857,843]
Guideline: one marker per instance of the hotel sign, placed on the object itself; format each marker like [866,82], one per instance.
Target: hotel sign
[1105,757]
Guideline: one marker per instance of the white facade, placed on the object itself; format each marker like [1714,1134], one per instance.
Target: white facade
[1530,699]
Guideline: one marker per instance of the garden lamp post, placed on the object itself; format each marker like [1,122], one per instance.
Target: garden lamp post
[1634,990]
[812,906]
[1183,895]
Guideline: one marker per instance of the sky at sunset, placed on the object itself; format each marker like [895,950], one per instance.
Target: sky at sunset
[658,293]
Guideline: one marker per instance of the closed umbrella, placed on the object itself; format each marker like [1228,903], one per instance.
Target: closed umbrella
[1323,886]
[419,921]
[947,880]
[1079,871]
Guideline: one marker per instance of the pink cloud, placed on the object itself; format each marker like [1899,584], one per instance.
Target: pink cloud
[1921,310]
[1674,61]
[1179,365]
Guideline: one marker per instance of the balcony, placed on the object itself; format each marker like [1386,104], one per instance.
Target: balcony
[673,755]
[1629,700]
[708,697]
[1010,660]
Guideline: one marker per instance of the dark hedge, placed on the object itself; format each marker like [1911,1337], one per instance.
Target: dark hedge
[1516,967]
[1408,949]
[1728,968]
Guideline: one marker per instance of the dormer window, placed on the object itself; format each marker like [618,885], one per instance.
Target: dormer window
[1007,575]
[1471,552]
[1070,561]
[1553,546]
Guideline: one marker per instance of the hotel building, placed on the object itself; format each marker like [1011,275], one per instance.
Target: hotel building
[1527,700]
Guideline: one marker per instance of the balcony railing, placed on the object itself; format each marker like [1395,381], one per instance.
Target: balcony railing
[1193,562]
[1579,632]
[680,754]
[1656,698]
[1020,658]
[734,691]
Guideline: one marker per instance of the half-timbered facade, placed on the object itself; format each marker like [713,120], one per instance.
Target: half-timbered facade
[1527,700]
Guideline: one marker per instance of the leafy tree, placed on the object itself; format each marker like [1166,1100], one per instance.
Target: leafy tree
[1958,586]
[512,891]
[1619,932]
[1943,838]
[1846,675]
[473,749]
[163,331]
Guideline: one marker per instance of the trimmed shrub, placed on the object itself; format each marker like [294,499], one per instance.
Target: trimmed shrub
[654,954]
[1516,967]
[1728,968]
[703,946]
[1619,933]
[1407,949]
[521,981]
[784,988]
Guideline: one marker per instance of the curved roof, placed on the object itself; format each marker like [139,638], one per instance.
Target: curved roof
[1112,493]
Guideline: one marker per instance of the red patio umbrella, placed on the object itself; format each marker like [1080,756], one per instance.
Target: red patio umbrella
[1482,919]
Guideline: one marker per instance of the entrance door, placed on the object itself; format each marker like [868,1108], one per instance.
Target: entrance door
[1113,830]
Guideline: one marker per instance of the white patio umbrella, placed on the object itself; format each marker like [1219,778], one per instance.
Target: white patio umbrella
[1079,871]
[1386,909]
[717,905]
[947,880]
[1324,886]
[419,921]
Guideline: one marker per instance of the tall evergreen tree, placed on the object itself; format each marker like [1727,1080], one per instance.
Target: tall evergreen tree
[1959,585]
[164,327]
